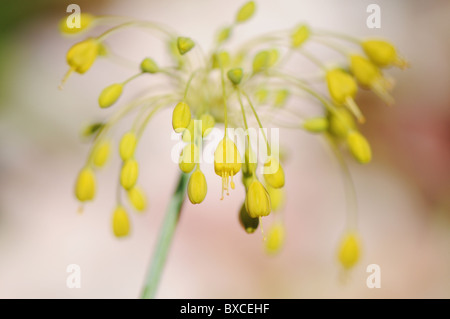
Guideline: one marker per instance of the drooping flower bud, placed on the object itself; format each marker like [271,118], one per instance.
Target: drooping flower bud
[197,187]
[110,95]
[359,147]
[340,122]
[82,55]
[86,21]
[127,146]
[85,185]
[120,222]
[299,36]
[184,45]
[129,173]
[275,238]
[349,250]
[137,198]
[273,173]
[189,158]
[235,75]
[316,125]
[101,153]
[149,65]
[246,12]
[181,117]
[257,200]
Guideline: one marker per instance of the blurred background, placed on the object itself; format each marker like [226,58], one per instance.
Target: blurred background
[403,195]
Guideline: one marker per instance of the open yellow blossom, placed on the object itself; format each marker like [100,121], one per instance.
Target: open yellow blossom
[120,222]
[227,162]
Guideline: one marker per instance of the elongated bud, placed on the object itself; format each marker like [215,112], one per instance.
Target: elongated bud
[101,153]
[85,185]
[137,198]
[208,123]
[129,173]
[316,125]
[359,147]
[246,12]
[127,145]
[257,200]
[149,65]
[197,187]
[110,95]
[299,36]
[120,222]
[224,34]
[275,238]
[82,55]
[184,45]
[383,53]
[189,158]
[86,21]
[273,173]
[181,117]
[349,250]
[235,75]
[248,223]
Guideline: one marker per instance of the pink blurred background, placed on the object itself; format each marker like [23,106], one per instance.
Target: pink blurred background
[403,195]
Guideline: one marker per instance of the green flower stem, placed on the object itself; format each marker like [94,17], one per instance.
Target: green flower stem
[165,237]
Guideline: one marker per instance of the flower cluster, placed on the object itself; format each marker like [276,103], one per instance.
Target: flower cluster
[236,88]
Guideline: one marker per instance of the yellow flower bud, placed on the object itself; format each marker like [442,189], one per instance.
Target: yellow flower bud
[246,12]
[235,75]
[227,162]
[137,198]
[120,222]
[197,187]
[189,158]
[369,75]
[248,223]
[110,95]
[261,61]
[208,123]
[273,173]
[340,122]
[224,34]
[149,65]
[275,238]
[383,53]
[85,185]
[342,87]
[92,129]
[82,55]
[349,250]
[316,125]
[101,153]
[129,173]
[86,20]
[359,147]
[181,117]
[257,200]
[127,146]
[184,45]
[221,59]
[281,97]
[277,198]
[299,36]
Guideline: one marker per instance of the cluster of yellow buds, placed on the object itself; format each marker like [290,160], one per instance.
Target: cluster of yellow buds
[241,88]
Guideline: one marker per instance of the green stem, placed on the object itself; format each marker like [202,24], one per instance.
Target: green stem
[165,238]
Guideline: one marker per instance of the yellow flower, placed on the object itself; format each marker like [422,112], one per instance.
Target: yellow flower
[227,162]
[120,222]
[349,250]
[383,53]
[101,153]
[257,200]
[129,173]
[181,117]
[359,147]
[299,36]
[137,198]
[275,238]
[86,21]
[246,12]
[369,75]
[184,45]
[85,185]
[342,87]
[248,223]
[127,145]
[110,95]
[189,157]
[197,187]
[82,55]
[273,173]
